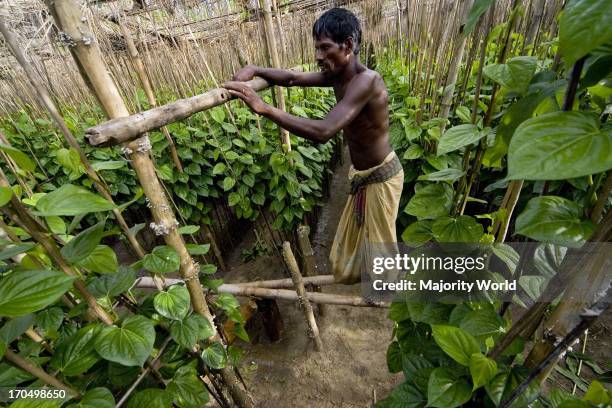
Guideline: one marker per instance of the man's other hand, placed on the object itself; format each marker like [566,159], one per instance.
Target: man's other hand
[247,94]
[245,74]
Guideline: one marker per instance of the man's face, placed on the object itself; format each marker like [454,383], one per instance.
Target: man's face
[331,57]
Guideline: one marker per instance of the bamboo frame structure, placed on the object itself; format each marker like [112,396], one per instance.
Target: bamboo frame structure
[86,52]
[296,276]
[123,129]
[272,290]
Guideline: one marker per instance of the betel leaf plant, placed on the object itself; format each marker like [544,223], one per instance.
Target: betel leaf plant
[530,161]
[70,317]
[229,158]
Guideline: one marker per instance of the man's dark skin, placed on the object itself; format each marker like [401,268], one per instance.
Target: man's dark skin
[361,110]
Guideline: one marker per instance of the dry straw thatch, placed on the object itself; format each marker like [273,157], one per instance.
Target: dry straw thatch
[187,45]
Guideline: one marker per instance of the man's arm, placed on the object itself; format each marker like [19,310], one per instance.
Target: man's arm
[282,77]
[320,131]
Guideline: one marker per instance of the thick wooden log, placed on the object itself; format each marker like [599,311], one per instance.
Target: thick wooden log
[273,293]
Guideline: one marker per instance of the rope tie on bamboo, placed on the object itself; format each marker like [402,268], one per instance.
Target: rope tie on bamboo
[162,228]
[164,208]
[358,184]
[70,42]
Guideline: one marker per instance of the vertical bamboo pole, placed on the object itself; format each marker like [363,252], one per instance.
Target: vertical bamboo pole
[146,84]
[310,264]
[281,32]
[453,70]
[313,330]
[86,52]
[273,51]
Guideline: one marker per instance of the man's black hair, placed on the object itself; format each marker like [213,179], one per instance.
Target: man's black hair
[338,24]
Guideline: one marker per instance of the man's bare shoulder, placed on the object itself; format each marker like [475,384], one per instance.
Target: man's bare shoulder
[371,79]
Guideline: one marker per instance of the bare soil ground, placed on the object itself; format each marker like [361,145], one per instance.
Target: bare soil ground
[352,365]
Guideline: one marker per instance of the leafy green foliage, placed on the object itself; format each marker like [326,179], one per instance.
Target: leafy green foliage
[151,398]
[187,390]
[24,292]
[559,145]
[584,25]
[445,390]
[99,397]
[191,329]
[81,246]
[514,75]
[455,342]
[162,259]
[71,200]
[214,355]
[173,303]
[128,345]
[554,219]
[458,137]
[76,354]
[482,369]
[22,160]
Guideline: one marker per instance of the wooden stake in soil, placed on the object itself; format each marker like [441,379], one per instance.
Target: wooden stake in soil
[310,263]
[68,17]
[313,330]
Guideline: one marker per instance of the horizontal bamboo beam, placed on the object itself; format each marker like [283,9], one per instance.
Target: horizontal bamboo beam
[273,293]
[128,128]
[274,283]
[288,283]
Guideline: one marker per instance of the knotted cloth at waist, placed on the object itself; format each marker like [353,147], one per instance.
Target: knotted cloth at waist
[358,183]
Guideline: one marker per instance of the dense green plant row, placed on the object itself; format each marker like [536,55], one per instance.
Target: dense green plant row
[232,157]
[561,153]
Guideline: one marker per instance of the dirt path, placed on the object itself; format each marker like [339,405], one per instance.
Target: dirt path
[290,373]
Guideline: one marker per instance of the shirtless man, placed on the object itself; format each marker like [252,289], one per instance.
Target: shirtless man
[362,114]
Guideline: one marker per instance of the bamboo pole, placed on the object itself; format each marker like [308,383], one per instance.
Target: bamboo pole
[310,264]
[273,52]
[146,85]
[603,199]
[572,266]
[145,282]
[122,129]
[68,17]
[46,101]
[313,330]
[38,372]
[280,294]
[587,318]
[457,56]
[281,32]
